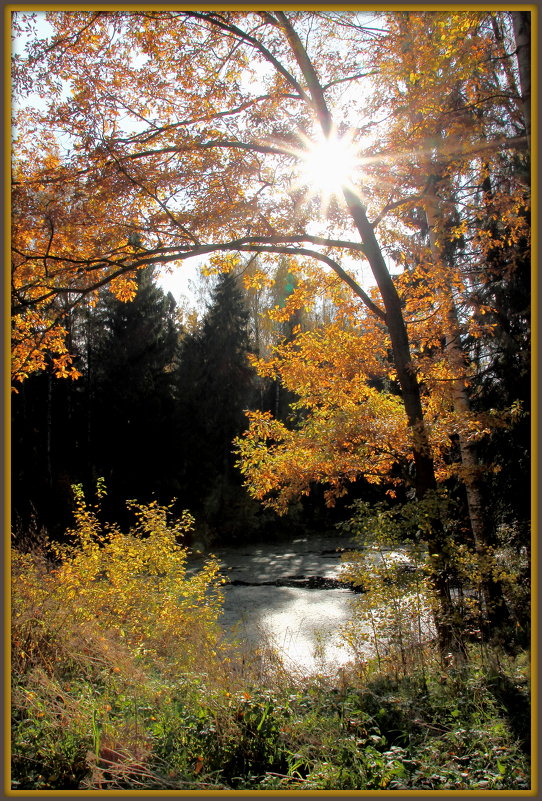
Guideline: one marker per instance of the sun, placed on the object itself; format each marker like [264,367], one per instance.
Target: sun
[327,165]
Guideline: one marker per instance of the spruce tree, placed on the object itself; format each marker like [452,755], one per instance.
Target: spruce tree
[215,385]
[133,357]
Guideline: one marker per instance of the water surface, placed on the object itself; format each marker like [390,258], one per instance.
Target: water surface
[300,621]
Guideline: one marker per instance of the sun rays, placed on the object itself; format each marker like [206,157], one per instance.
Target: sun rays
[327,165]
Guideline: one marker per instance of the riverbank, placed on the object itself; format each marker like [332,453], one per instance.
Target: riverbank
[123,679]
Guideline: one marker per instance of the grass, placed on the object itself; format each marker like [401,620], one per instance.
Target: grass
[371,733]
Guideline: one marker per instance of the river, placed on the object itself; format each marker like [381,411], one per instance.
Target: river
[288,595]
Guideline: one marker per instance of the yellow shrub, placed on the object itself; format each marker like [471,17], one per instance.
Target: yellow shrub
[135,587]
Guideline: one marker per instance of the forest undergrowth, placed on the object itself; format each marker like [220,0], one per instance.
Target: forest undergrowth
[123,679]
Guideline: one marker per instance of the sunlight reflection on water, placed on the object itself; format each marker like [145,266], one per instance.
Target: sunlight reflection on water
[300,623]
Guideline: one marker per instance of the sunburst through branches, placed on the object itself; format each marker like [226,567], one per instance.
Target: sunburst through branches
[327,165]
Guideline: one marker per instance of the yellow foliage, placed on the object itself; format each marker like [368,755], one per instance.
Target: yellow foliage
[258,279]
[343,427]
[124,288]
[135,585]
[221,263]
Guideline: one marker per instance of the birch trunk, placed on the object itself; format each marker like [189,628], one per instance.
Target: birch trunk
[472,469]
[521,21]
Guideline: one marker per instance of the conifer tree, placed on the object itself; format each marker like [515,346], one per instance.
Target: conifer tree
[133,356]
[215,387]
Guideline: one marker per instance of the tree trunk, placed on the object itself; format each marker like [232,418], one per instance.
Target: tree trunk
[472,470]
[460,399]
[425,473]
[448,631]
[521,21]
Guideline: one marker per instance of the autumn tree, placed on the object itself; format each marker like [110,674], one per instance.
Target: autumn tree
[120,158]
[175,134]
[451,96]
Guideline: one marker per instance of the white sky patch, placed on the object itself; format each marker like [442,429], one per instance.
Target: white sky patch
[43,29]
[181,280]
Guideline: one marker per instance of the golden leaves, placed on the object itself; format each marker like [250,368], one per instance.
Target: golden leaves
[137,579]
[119,604]
[124,287]
[63,368]
[220,263]
[257,279]
[345,427]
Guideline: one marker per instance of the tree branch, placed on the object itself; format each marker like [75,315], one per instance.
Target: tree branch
[349,78]
[309,73]
[256,244]
[220,22]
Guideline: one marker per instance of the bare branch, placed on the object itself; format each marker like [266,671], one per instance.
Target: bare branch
[349,78]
